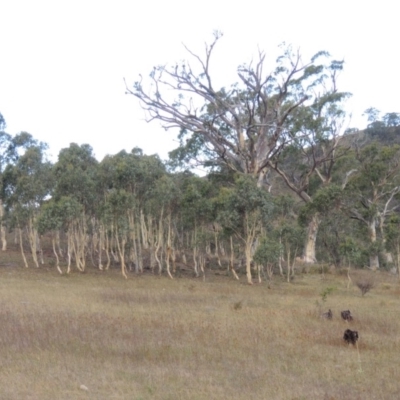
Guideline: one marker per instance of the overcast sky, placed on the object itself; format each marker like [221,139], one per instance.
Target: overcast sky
[62,63]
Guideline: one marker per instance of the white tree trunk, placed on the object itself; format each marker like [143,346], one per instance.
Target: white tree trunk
[312,230]
[2,229]
[248,261]
[373,258]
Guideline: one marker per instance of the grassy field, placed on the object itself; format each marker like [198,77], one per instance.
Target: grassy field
[149,337]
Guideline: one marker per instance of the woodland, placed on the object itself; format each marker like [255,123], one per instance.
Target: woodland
[289,184]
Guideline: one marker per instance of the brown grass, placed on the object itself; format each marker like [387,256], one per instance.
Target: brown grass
[153,338]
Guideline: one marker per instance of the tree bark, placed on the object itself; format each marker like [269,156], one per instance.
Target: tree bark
[373,258]
[22,247]
[2,229]
[312,230]
[248,252]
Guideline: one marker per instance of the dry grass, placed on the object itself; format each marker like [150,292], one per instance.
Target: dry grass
[153,338]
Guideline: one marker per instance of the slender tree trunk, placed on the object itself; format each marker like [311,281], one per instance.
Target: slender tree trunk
[259,268]
[312,230]
[139,248]
[196,271]
[69,250]
[22,247]
[216,251]
[107,248]
[280,255]
[159,242]
[40,248]
[373,258]
[144,230]
[32,237]
[58,243]
[169,247]
[121,250]
[53,241]
[248,252]
[151,241]
[2,229]
[232,260]
[202,263]
[387,255]
[100,246]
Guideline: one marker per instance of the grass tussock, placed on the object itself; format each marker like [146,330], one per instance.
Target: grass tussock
[154,338]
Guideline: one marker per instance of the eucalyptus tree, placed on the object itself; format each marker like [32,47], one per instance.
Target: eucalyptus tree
[75,175]
[393,240]
[11,147]
[282,239]
[63,215]
[307,164]
[164,205]
[5,141]
[116,212]
[197,214]
[28,183]
[136,175]
[240,126]
[243,210]
[268,254]
[248,125]
[373,194]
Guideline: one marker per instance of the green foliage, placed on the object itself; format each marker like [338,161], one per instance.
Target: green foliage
[268,251]
[26,185]
[353,251]
[327,291]
[243,205]
[323,202]
[75,174]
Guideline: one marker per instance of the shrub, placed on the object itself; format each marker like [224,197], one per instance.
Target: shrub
[365,286]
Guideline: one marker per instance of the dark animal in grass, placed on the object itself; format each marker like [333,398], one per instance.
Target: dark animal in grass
[346,315]
[327,315]
[350,336]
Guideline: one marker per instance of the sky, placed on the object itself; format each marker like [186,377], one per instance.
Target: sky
[63,63]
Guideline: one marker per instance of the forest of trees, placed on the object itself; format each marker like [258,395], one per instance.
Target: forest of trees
[287,183]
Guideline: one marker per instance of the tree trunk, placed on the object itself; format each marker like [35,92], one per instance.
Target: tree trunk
[159,242]
[312,230]
[232,260]
[248,261]
[53,242]
[121,251]
[144,231]
[373,258]
[32,237]
[22,247]
[2,229]
[169,247]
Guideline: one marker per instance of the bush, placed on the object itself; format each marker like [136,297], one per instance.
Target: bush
[365,286]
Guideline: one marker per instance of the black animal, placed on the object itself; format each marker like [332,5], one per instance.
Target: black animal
[327,315]
[350,336]
[346,315]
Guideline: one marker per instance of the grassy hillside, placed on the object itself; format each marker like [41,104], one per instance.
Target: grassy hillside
[149,337]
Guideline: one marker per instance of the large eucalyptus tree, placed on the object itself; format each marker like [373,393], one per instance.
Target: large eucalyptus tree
[248,125]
